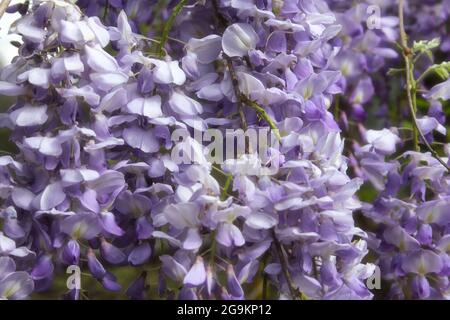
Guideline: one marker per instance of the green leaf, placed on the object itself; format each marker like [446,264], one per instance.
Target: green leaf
[425,46]
[442,70]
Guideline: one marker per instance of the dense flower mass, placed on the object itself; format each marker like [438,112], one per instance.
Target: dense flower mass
[232,149]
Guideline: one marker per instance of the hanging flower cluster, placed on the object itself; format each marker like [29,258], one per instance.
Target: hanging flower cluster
[411,233]
[120,111]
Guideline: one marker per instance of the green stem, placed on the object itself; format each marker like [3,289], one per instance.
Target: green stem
[414,112]
[336,108]
[168,26]
[105,13]
[224,193]
[411,88]
[223,196]
[263,114]
[157,14]
[212,254]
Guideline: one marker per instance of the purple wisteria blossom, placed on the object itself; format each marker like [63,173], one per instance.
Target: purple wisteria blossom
[411,216]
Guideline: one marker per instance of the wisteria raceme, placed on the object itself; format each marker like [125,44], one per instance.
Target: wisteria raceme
[73,127]
[369,36]
[411,237]
[124,111]
[306,208]
[368,39]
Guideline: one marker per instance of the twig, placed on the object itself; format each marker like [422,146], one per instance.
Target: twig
[295,293]
[224,193]
[263,114]
[169,24]
[237,92]
[411,87]
[3,6]
[336,108]
[220,18]
[105,13]
[158,40]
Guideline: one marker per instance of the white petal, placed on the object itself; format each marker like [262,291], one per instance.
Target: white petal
[183,215]
[45,145]
[16,286]
[21,252]
[22,198]
[99,60]
[73,64]
[383,141]
[52,196]
[168,72]
[144,140]
[249,84]
[148,107]
[37,76]
[11,89]
[32,33]
[29,115]
[70,32]
[238,39]
[100,31]
[107,81]
[211,93]
[6,244]
[206,49]
[260,221]
[184,105]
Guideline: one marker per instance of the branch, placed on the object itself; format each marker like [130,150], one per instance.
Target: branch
[168,26]
[3,6]
[411,87]
[295,293]
[237,92]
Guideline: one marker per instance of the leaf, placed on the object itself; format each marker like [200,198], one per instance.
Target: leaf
[425,46]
